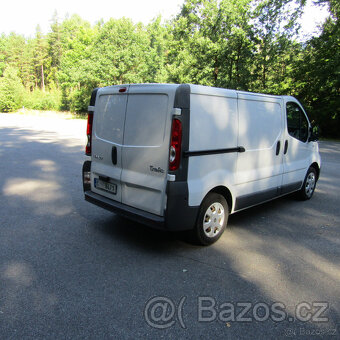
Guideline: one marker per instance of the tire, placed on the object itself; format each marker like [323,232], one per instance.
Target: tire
[212,220]
[309,184]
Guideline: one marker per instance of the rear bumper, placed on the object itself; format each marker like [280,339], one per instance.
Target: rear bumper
[177,216]
[125,210]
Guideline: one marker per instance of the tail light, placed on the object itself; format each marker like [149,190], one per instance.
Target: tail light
[88,148]
[175,145]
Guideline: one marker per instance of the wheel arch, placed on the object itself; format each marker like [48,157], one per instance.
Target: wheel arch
[317,169]
[225,192]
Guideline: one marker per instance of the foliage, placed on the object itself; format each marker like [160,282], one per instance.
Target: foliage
[249,45]
[11,90]
[319,77]
[42,100]
[211,43]
[73,71]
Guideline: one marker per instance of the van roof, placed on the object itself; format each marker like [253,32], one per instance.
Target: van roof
[209,90]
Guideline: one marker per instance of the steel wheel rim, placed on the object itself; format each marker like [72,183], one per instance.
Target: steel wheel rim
[213,220]
[310,184]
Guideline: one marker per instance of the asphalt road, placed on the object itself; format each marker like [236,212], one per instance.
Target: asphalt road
[71,270]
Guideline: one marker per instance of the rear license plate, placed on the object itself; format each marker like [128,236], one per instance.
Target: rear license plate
[109,187]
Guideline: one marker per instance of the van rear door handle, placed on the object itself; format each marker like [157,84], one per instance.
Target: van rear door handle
[114,155]
[286,147]
[278,145]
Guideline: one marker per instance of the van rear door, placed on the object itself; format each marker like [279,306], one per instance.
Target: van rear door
[107,140]
[146,146]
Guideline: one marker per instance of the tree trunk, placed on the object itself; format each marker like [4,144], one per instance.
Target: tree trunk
[231,71]
[216,72]
[42,78]
[264,73]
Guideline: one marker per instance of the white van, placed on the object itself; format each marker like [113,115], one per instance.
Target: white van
[183,157]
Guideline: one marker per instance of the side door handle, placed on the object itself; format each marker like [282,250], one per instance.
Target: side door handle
[114,155]
[286,147]
[278,146]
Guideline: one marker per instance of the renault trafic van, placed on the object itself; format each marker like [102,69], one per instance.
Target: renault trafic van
[184,157]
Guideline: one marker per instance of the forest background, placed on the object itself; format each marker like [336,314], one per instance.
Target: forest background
[251,45]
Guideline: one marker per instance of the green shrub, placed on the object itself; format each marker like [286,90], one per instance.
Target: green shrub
[79,100]
[76,100]
[40,100]
[11,91]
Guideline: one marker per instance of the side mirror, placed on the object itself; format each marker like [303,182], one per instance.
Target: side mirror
[314,133]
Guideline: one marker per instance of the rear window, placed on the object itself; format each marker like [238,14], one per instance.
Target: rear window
[145,119]
[109,117]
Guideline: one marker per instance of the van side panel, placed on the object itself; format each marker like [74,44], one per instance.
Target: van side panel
[259,169]
[213,126]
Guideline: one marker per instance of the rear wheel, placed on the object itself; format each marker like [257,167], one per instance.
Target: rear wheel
[212,219]
[307,190]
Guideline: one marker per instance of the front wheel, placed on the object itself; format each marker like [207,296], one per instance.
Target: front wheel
[308,187]
[212,219]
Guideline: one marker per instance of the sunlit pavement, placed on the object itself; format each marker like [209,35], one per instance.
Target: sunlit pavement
[71,270]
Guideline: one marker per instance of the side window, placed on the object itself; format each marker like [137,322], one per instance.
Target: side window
[297,123]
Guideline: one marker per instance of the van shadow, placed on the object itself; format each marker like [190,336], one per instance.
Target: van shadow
[137,234]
